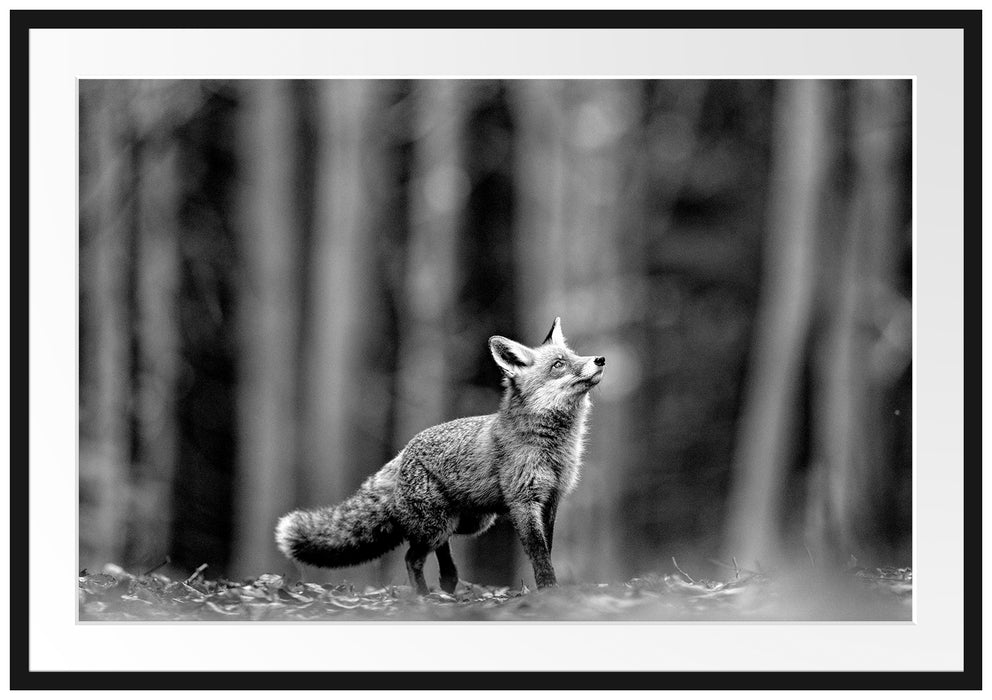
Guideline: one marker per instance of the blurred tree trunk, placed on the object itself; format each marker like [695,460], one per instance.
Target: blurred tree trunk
[543,162]
[345,407]
[157,108]
[438,187]
[105,395]
[766,439]
[868,334]
[576,188]
[342,255]
[269,320]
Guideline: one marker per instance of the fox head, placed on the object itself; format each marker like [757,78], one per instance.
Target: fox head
[548,377]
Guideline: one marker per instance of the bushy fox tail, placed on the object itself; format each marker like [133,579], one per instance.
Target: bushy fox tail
[356,531]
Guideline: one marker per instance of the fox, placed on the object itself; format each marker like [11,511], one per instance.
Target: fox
[456,478]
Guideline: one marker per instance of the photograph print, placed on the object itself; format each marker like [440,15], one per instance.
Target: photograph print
[509,350]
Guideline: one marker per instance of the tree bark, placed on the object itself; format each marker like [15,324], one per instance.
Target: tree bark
[341,260]
[766,435]
[157,281]
[438,189]
[269,322]
[868,338]
[104,429]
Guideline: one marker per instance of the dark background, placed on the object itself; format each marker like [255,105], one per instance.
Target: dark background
[281,282]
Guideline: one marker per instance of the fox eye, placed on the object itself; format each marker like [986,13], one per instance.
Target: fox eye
[558,364]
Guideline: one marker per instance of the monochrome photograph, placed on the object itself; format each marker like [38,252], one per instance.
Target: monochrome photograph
[495,350]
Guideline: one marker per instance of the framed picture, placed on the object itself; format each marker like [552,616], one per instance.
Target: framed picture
[495,349]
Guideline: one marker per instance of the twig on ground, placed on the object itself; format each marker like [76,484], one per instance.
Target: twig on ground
[677,568]
[199,570]
[881,578]
[735,567]
[167,560]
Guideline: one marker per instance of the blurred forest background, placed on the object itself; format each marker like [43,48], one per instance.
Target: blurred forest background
[281,282]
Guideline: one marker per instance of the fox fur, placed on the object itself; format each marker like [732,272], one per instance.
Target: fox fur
[458,477]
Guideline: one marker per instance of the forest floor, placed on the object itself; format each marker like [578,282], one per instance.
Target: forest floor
[861,594]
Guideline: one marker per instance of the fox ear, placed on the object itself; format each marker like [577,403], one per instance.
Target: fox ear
[509,355]
[555,336]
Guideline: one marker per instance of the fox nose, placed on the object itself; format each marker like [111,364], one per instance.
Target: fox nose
[599,361]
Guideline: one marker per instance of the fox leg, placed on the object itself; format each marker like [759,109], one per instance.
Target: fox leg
[415,558]
[427,520]
[550,511]
[449,572]
[528,519]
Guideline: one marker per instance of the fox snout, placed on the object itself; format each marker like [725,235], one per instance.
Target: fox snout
[591,375]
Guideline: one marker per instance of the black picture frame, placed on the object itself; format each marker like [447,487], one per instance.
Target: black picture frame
[23,21]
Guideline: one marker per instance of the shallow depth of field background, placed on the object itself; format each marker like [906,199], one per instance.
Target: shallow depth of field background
[282,282]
